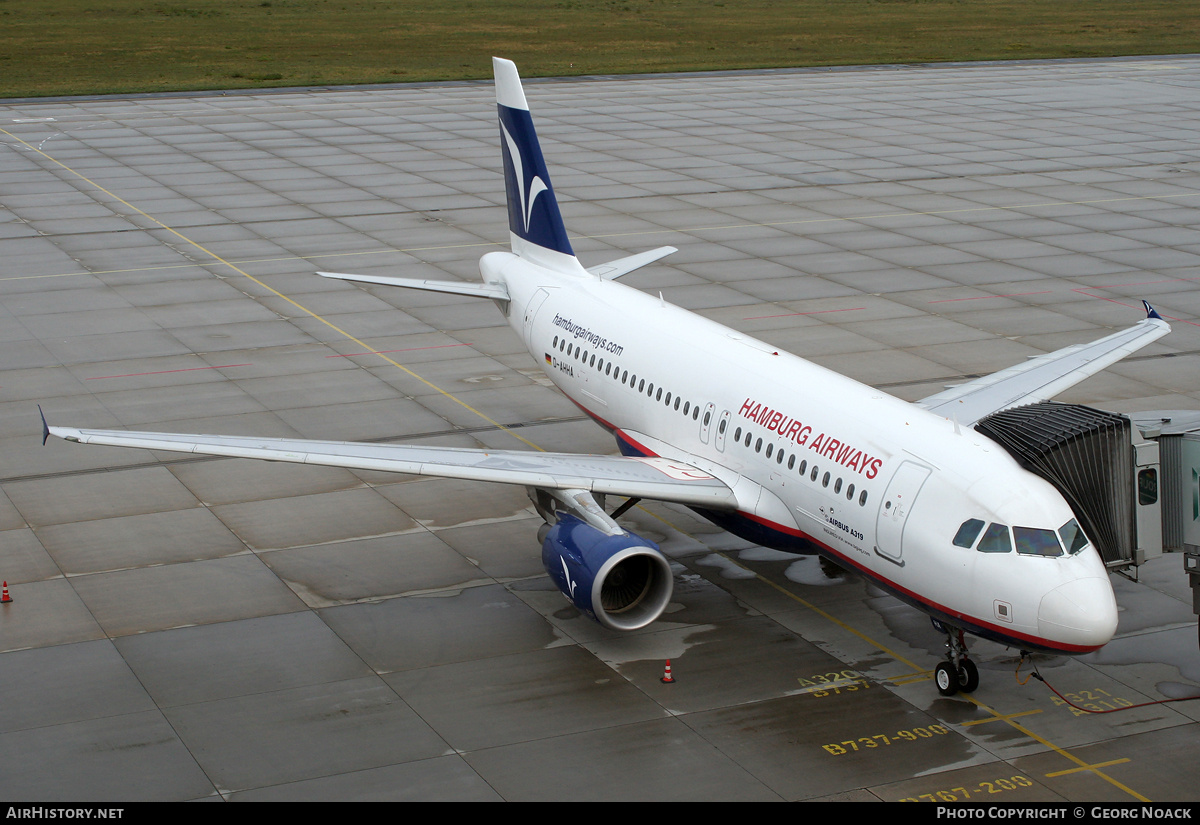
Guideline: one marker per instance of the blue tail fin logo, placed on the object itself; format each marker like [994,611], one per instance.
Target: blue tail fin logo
[527,193]
[533,215]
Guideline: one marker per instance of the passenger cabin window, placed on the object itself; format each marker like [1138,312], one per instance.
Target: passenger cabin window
[996,539]
[1032,541]
[967,533]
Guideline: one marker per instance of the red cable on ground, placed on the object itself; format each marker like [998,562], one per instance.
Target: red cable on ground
[1037,675]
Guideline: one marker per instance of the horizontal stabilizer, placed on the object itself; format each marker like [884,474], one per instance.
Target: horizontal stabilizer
[496,292]
[623,266]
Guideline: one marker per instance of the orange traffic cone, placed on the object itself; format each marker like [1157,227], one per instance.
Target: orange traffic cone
[5,598]
[666,679]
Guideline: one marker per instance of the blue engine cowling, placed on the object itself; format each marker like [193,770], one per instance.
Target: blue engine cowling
[623,582]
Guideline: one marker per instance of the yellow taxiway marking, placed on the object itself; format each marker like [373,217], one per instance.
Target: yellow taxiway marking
[831,618]
[910,678]
[999,717]
[217,258]
[1089,768]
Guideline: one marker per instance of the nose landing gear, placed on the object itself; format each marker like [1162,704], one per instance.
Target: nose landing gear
[958,673]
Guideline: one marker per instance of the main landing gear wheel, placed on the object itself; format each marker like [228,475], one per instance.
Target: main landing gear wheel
[946,679]
[968,676]
[958,673]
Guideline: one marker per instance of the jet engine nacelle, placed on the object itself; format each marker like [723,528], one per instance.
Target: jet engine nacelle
[622,581]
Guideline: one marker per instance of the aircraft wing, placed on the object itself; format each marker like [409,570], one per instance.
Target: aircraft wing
[654,478]
[1043,376]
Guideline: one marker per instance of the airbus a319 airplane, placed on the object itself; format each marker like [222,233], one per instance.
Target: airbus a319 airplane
[775,449]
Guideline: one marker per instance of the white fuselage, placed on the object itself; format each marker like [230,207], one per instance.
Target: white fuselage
[819,462]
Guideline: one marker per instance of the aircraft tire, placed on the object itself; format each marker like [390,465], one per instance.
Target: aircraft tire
[968,676]
[946,679]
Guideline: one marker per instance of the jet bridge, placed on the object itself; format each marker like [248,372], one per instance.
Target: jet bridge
[1086,454]
[1133,481]
[1177,433]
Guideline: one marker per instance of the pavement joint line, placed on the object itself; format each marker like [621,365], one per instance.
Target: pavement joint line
[165,372]
[276,292]
[1085,290]
[665,230]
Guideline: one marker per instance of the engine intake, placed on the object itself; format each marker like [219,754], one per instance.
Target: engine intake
[622,581]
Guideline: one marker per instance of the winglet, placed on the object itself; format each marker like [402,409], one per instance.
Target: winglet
[1150,311]
[45,426]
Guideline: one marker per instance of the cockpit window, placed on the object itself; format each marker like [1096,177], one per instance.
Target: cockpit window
[1032,541]
[967,534]
[995,539]
[1072,537]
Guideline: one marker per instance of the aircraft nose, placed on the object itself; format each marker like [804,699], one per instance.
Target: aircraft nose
[1081,612]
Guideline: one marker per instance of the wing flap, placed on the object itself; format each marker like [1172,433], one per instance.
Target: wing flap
[1043,376]
[653,478]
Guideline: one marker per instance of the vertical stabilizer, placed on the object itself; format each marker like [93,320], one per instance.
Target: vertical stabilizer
[534,222]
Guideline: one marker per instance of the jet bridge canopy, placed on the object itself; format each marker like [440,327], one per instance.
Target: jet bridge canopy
[1087,455]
